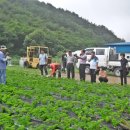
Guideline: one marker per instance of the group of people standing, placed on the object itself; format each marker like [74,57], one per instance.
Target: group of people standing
[68,63]
[71,59]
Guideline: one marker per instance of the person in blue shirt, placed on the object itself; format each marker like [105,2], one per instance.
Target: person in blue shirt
[2,65]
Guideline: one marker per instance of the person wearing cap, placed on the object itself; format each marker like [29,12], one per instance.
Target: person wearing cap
[70,65]
[2,65]
[54,68]
[123,69]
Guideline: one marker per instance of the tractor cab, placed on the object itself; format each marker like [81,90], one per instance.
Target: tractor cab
[33,56]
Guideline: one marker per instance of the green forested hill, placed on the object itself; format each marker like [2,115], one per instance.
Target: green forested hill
[25,22]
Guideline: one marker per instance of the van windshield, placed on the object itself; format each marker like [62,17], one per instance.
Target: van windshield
[100,51]
[113,56]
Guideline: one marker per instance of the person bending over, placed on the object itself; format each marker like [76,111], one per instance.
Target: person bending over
[103,75]
[55,67]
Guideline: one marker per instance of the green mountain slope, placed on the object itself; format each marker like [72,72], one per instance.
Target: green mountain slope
[30,22]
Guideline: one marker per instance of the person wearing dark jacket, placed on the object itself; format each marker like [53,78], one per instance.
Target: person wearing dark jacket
[123,69]
[64,61]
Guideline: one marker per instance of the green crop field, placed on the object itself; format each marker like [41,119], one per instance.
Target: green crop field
[32,102]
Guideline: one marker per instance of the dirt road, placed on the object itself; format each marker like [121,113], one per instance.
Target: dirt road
[112,79]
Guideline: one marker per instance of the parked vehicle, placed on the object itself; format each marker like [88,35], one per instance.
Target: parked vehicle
[107,58]
[32,58]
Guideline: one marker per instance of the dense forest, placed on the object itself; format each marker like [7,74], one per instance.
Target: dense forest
[30,22]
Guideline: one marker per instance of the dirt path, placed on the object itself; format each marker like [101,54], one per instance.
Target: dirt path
[112,79]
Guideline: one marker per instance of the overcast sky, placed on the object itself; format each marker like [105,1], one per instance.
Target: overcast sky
[114,14]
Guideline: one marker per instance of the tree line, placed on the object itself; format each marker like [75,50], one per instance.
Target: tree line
[30,22]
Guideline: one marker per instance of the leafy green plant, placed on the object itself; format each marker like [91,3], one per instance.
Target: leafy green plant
[30,101]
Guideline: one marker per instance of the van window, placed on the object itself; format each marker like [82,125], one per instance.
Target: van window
[100,51]
[111,52]
[114,57]
[88,51]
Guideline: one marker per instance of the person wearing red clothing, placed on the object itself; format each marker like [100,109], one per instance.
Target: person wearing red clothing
[54,68]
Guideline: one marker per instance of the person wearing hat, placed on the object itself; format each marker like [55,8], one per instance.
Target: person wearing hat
[123,69]
[2,65]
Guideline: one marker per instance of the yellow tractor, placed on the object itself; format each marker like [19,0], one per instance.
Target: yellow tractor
[33,56]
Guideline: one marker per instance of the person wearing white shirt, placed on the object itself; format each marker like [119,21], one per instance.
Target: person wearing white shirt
[70,65]
[93,66]
[43,62]
[82,66]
